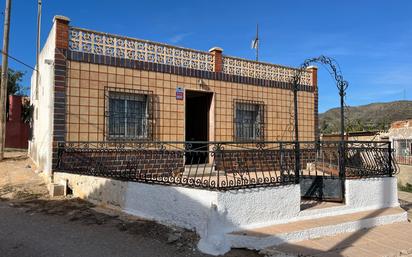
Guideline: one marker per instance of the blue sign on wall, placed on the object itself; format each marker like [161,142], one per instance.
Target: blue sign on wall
[180,93]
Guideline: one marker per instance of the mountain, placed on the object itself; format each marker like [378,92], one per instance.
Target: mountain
[374,116]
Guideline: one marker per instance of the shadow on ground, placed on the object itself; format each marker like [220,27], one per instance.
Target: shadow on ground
[146,238]
[180,241]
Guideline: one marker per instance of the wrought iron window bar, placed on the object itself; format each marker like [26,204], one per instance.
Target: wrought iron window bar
[403,151]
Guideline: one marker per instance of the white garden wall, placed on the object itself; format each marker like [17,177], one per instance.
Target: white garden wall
[213,214]
[372,193]
[360,195]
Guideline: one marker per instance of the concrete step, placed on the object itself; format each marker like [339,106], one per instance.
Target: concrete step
[263,237]
[387,240]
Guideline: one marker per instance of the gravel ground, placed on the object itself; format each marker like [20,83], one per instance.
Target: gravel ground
[33,224]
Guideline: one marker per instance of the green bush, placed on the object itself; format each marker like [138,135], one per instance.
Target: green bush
[407,187]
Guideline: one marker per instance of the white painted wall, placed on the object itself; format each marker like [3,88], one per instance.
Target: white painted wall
[98,190]
[360,195]
[185,207]
[372,193]
[247,208]
[213,214]
[40,147]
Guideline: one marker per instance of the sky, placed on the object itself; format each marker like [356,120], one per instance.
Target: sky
[371,40]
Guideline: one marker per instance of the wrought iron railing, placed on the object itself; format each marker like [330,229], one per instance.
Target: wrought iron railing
[223,165]
[360,159]
[369,159]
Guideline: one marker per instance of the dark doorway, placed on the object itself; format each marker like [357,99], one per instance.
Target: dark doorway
[197,125]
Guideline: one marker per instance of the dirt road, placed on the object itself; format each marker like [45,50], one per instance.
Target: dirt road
[33,224]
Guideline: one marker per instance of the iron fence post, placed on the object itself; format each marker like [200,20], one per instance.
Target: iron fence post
[341,159]
[281,162]
[342,168]
[218,172]
[297,162]
[390,158]
[296,118]
[60,149]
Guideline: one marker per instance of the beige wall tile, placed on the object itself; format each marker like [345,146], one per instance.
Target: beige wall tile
[86,100]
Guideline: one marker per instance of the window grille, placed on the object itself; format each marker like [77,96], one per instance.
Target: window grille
[403,147]
[403,151]
[129,115]
[249,120]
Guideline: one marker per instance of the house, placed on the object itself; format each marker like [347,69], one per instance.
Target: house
[400,134]
[198,139]
[17,128]
[112,88]
[354,136]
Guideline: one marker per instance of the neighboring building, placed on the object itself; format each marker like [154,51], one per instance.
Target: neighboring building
[354,136]
[95,86]
[17,130]
[400,134]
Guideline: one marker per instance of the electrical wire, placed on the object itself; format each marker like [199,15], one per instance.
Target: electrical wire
[17,60]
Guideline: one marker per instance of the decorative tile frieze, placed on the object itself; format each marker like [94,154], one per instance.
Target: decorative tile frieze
[130,49]
[88,41]
[267,71]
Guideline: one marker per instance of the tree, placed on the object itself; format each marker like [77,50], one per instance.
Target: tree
[13,86]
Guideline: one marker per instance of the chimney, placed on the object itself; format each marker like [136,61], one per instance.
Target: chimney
[62,31]
[217,53]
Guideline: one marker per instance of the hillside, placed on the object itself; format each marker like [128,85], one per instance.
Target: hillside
[374,116]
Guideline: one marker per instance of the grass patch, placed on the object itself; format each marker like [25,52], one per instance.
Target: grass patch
[406,188]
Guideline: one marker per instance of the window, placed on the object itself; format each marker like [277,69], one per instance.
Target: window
[127,116]
[248,120]
[403,147]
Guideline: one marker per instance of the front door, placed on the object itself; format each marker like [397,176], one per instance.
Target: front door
[197,111]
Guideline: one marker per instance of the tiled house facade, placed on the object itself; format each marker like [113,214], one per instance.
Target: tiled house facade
[109,88]
[181,137]
[88,85]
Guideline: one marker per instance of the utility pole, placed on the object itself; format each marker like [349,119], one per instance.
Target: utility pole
[4,77]
[36,93]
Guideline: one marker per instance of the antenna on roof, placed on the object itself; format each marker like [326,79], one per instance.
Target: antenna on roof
[255,42]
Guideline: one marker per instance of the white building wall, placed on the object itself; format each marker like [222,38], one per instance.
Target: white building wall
[40,147]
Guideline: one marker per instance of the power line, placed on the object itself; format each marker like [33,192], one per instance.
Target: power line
[17,60]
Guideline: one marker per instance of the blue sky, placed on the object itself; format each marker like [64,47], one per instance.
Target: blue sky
[371,40]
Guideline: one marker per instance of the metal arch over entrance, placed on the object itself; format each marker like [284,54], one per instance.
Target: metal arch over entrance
[317,185]
[333,68]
